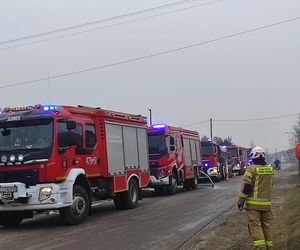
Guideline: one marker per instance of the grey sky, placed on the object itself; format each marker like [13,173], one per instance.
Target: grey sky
[249,76]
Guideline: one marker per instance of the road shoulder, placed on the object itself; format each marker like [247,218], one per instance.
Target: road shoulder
[229,230]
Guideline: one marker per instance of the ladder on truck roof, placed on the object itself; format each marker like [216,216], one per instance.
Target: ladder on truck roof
[115,113]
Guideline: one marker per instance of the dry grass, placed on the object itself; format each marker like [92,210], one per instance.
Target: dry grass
[232,232]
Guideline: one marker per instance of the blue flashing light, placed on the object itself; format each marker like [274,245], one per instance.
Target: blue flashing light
[159,126]
[205,164]
[51,108]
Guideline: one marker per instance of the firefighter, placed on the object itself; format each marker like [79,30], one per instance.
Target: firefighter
[256,194]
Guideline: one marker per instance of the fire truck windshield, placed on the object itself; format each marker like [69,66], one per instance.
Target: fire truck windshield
[233,152]
[207,150]
[156,144]
[26,135]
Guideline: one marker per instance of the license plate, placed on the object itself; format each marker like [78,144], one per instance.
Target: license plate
[7,196]
[13,189]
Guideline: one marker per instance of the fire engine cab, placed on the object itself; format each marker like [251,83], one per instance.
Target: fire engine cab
[238,157]
[66,158]
[214,161]
[175,158]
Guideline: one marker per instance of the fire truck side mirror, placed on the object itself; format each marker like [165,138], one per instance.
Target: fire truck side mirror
[71,125]
[5,132]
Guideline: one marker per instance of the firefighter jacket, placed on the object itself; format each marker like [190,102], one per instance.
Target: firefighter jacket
[257,188]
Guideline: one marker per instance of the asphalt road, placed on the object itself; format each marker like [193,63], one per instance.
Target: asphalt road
[163,222]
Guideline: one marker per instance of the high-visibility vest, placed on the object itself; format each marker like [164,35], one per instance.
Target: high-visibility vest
[261,180]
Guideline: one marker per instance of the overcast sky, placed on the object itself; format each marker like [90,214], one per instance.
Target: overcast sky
[249,76]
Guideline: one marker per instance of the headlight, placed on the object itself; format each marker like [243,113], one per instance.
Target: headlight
[45,193]
[21,158]
[162,174]
[12,158]
[4,158]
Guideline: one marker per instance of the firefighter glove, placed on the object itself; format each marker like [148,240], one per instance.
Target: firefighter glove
[240,207]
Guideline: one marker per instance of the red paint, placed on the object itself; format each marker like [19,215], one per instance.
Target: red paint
[174,160]
[95,164]
[298,151]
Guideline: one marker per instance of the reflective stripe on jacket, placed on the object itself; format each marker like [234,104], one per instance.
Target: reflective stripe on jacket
[258,197]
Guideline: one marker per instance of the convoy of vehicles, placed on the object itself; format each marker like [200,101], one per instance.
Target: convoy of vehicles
[215,161]
[238,158]
[174,155]
[67,158]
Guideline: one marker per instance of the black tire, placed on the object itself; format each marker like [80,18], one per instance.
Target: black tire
[230,172]
[194,181]
[128,199]
[241,172]
[118,201]
[217,178]
[159,190]
[222,174]
[11,219]
[131,197]
[79,210]
[172,187]
[187,185]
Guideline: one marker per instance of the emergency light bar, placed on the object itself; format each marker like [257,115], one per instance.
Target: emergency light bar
[159,126]
[50,108]
[28,108]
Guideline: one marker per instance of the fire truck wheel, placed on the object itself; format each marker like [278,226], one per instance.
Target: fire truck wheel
[131,197]
[172,187]
[217,178]
[79,210]
[222,173]
[11,219]
[187,185]
[159,190]
[118,201]
[194,181]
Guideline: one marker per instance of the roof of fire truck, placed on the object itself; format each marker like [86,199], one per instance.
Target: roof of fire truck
[166,128]
[41,111]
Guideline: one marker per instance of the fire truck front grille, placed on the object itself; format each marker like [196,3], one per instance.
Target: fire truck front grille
[29,177]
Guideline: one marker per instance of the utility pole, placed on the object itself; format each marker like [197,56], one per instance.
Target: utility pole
[150,111]
[211,128]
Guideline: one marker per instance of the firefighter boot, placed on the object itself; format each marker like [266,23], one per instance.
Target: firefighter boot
[255,230]
[266,222]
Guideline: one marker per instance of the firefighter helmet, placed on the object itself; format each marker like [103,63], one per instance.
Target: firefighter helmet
[257,152]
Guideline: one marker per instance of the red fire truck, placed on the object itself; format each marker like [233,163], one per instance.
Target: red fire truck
[214,160]
[238,157]
[175,158]
[66,158]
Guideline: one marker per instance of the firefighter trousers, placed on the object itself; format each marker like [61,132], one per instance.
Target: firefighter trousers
[260,229]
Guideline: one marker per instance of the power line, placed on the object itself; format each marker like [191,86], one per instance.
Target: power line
[258,119]
[109,19]
[151,55]
[194,124]
[108,26]
[245,120]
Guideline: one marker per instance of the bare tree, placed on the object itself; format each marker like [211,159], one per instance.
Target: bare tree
[296,128]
